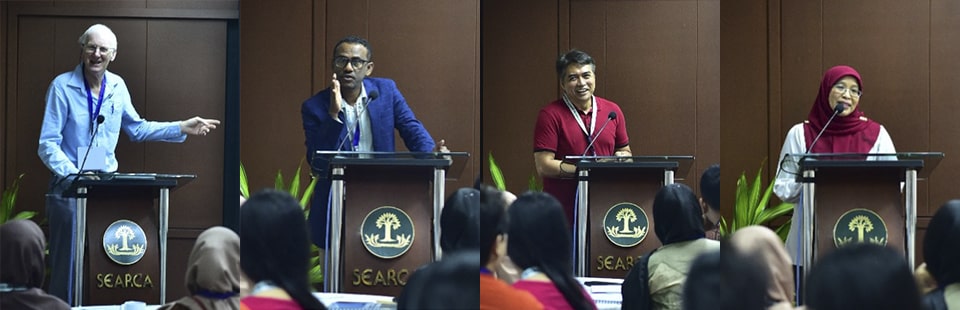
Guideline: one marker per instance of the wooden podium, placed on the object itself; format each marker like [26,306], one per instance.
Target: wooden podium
[614,213]
[127,221]
[384,217]
[854,198]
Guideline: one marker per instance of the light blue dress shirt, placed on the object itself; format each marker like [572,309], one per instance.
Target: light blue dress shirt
[67,124]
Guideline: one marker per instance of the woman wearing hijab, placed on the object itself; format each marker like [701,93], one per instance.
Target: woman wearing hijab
[941,250]
[849,132]
[765,245]
[656,280]
[275,253]
[22,268]
[540,245]
[213,272]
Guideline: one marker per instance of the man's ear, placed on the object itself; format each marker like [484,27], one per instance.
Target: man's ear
[369,69]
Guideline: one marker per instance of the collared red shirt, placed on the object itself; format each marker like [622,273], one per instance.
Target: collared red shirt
[67,124]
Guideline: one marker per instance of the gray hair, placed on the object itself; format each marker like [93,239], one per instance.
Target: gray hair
[98,28]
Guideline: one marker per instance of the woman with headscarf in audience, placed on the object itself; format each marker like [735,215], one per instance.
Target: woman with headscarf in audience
[941,250]
[213,272]
[540,245]
[765,245]
[275,253]
[862,276]
[494,293]
[22,268]
[656,280]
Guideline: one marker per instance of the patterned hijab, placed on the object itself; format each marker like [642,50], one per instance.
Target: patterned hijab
[853,133]
[213,272]
[22,268]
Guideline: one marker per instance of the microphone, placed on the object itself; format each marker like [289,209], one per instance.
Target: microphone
[836,110]
[371,96]
[100,120]
[610,117]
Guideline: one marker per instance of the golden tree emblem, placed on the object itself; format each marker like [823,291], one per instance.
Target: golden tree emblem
[626,215]
[124,233]
[860,224]
[389,222]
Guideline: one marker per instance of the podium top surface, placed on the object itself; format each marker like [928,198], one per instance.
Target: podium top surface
[123,179]
[923,162]
[453,162]
[679,164]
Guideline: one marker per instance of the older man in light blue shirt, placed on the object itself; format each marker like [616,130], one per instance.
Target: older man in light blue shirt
[84,105]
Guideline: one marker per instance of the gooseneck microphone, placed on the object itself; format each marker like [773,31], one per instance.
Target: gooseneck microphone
[356,130]
[836,110]
[100,119]
[610,117]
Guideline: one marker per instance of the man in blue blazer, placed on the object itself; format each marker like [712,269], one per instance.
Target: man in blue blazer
[355,113]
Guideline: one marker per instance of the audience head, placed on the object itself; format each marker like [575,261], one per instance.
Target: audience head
[763,244]
[275,245]
[862,276]
[941,245]
[540,238]
[450,283]
[21,252]
[710,193]
[22,268]
[677,215]
[214,266]
[725,279]
[460,221]
[493,225]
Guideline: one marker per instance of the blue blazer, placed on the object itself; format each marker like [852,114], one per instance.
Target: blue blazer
[388,111]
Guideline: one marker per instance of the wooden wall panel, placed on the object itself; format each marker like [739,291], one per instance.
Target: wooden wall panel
[519,52]
[708,145]
[944,99]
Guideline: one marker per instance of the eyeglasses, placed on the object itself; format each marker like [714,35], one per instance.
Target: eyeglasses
[340,62]
[854,92]
[91,49]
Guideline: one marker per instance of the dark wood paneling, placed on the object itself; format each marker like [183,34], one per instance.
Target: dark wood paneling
[178,87]
[275,80]
[944,97]
[519,51]
[708,146]
[743,94]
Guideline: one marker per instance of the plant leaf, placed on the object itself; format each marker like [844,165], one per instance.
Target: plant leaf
[295,183]
[775,212]
[278,181]
[496,174]
[25,215]
[244,186]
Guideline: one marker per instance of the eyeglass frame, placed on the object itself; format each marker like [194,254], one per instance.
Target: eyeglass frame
[352,61]
[93,48]
[843,89]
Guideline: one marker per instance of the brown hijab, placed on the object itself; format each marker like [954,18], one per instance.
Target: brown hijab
[213,272]
[22,268]
[766,246]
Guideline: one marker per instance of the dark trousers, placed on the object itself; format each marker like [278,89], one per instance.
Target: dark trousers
[61,216]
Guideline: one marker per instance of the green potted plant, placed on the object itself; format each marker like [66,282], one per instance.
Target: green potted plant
[9,202]
[752,207]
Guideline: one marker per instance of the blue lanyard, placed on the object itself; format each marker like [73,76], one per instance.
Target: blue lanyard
[103,87]
[356,136]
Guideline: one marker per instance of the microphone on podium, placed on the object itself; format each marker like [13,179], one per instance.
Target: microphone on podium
[836,110]
[610,117]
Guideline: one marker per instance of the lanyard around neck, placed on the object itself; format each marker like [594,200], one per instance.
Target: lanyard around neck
[576,116]
[103,87]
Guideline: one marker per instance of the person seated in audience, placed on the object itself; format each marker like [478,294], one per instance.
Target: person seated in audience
[459,231]
[726,279]
[540,245]
[710,201]
[765,245]
[941,250]
[496,294]
[861,276]
[656,280]
[446,284]
[213,272]
[22,268]
[275,253]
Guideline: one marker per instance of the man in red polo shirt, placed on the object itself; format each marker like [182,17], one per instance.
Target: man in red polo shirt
[567,125]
